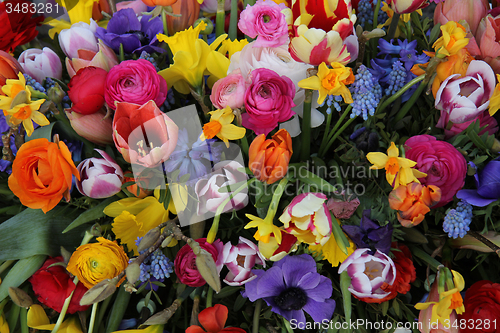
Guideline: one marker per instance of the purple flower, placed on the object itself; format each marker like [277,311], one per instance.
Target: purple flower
[293,286]
[135,36]
[370,235]
[487,183]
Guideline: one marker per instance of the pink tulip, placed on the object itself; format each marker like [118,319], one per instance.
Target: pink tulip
[485,44]
[472,11]
[137,5]
[94,127]
[369,273]
[240,259]
[40,64]
[104,58]
[461,99]
[99,177]
[407,6]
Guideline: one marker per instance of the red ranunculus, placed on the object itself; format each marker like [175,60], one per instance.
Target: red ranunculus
[52,285]
[482,308]
[17,28]
[405,274]
[86,90]
[185,263]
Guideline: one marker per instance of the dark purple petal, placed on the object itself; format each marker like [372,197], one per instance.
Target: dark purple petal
[271,283]
[295,267]
[473,198]
[489,180]
[310,280]
[322,291]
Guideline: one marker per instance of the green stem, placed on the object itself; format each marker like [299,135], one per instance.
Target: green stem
[433,263]
[244,145]
[306,127]
[278,192]
[326,134]
[404,110]
[210,294]
[6,265]
[328,145]
[233,21]
[220,18]
[65,307]
[121,54]
[401,92]
[24,320]
[102,310]
[332,132]
[164,20]
[375,14]
[92,317]
[393,27]
[256,316]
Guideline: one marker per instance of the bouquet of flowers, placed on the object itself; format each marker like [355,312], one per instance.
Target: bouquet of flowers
[249,166]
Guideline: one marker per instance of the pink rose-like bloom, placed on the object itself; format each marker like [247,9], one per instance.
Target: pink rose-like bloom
[99,177]
[444,165]
[369,273]
[461,99]
[472,11]
[229,91]
[185,263]
[307,218]
[484,120]
[40,64]
[225,175]
[268,101]
[134,81]
[240,259]
[265,21]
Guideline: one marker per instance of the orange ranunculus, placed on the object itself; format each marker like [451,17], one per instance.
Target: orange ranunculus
[413,201]
[41,174]
[268,159]
[9,68]
[152,3]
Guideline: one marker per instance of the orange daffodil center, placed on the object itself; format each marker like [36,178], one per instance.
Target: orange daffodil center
[398,169]
[220,126]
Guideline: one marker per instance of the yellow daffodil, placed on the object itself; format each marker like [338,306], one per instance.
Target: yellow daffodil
[17,105]
[330,81]
[78,11]
[37,319]
[452,40]
[220,126]
[193,58]
[232,46]
[134,217]
[265,227]
[448,301]
[495,98]
[332,252]
[398,170]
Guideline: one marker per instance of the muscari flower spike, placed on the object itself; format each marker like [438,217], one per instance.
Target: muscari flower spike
[157,266]
[366,94]
[456,222]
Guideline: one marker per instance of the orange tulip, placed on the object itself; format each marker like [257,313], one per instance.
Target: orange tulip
[41,174]
[152,3]
[9,68]
[413,201]
[189,11]
[268,159]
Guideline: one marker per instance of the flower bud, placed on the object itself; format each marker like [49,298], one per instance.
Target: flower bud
[20,297]
[206,266]
[99,292]
[149,239]
[208,28]
[56,94]
[93,127]
[133,272]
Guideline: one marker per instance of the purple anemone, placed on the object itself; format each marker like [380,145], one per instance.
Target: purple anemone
[293,286]
[487,183]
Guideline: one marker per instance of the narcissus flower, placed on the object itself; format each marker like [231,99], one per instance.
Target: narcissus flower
[274,251]
[398,170]
[452,40]
[95,262]
[265,229]
[332,252]
[18,107]
[495,98]
[330,81]
[220,126]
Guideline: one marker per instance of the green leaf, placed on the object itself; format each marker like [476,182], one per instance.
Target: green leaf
[238,304]
[435,33]
[20,272]
[395,306]
[227,291]
[385,307]
[43,132]
[316,182]
[32,232]
[339,235]
[90,215]
[345,282]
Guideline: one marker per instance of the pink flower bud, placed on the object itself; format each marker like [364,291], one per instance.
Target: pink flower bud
[40,64]
[93,127]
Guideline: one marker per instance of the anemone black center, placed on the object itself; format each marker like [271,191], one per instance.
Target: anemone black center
[291,299]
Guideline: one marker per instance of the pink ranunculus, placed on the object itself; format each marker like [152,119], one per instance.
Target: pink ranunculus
[484,120]
[40,64]
[134,81]
[95,127]
[472,11]
[265,21]
[229,91]
[444,165]
[99,177]
[143,134]
[240,259]
[268,101]
[461,99]
[225,175]
[369,273]
[185,263]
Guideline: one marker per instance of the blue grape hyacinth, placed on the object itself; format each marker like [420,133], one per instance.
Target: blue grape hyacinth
[456,222]
[366,93]
[157,266]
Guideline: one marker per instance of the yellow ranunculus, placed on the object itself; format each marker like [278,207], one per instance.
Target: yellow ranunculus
[95,262]
[452,40]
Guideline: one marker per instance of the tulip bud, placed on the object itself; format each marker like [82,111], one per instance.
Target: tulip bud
[20,297]
[133,272]
[40,64]
[93,127]
[99,292]
[149,239]
[56,94]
